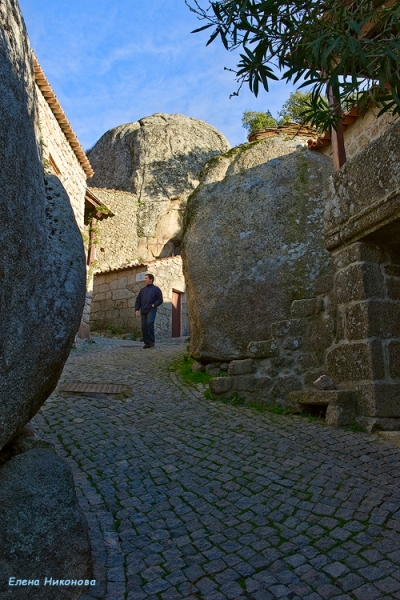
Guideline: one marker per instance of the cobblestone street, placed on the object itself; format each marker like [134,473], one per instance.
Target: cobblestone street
[196,499]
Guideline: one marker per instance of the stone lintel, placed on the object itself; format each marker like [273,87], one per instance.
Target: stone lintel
[322,397]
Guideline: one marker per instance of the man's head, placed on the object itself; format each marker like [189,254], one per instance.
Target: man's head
[148,278]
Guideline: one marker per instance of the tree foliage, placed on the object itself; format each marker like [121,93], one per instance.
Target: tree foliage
[351,46]
[253,120]
[296,107]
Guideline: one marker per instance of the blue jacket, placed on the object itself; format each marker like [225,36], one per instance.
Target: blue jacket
[148,295]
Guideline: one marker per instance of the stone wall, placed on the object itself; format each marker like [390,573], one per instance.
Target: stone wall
[363,131]
[291,359]
[117,239]
[115,292]
[55,145]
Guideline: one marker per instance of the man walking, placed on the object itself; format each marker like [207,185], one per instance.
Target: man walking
[150,296]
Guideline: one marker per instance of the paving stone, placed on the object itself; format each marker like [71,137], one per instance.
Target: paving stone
[177,487]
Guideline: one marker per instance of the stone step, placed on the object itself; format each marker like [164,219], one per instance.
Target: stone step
[341,404]
[321,397]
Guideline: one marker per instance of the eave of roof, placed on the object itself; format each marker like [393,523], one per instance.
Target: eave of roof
[135,265]
[51,99]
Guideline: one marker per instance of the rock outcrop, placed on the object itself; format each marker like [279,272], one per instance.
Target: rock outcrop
[158,160]
[42,268]
[42,531]
[42,292]
[253,243]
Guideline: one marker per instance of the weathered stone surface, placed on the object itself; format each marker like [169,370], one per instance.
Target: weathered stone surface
[358,252]
[252,243]
[324,383]
[378,399]
[373,318]
[359,281]
[262,349]
[42,269]
[158,161]
[42,531]
[197,366]
[356,361]
[241,367]
[220,385]
[394,359]
[364,194]
[306,308]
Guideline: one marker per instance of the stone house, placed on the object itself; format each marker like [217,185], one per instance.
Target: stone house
[115,292]
[359,130]
[61,150]
[348,326]
[63,155]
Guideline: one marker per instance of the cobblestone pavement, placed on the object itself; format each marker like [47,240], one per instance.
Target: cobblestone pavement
[192,498]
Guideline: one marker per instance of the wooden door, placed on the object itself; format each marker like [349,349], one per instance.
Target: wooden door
[176,313]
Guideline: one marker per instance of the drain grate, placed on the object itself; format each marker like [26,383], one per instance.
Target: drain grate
[95,388]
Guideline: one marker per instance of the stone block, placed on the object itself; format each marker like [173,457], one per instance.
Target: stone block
[307,307]
[107,305]
[358,282]
[84,331]
[266,367]
[323,397]
[121,293]
[323,284]
[285,384]
[292,344]
[220,385]
[263,349]
[306,361]
[340,324]
[373,318]
[392,270]
[263,383]
[291,327]
[312,375]
[393,288]
[355,361]
[121,304]
[394,359]
[378,399]
[212,369]
[284,362]
[198,366]
[320,334]
[241,367]
[339,416]
[244,383]
[358,252]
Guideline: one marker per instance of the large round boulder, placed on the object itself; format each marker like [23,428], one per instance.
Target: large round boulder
[253,242]
[42,264]
[158,160]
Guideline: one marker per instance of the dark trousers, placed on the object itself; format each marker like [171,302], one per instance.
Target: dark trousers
[148,326]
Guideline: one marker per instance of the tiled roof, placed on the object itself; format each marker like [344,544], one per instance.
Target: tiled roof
[134,265]
[51,99]
[288,129]
[321,142]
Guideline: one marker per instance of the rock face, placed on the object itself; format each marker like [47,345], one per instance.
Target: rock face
[158,160]
[253,243]
[42,531]
[42,265]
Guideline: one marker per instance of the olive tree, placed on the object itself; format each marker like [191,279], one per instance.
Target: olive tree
[351,47]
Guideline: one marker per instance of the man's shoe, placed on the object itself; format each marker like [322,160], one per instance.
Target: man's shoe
[147,346]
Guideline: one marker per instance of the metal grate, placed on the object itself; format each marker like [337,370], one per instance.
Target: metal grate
[95,388]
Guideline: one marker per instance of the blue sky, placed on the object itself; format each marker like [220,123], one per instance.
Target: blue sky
[112,62]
